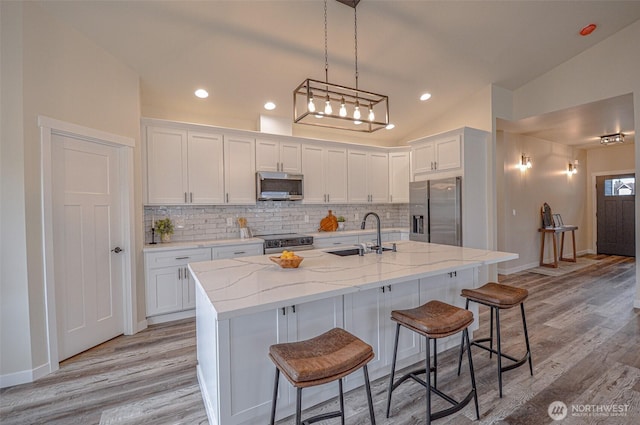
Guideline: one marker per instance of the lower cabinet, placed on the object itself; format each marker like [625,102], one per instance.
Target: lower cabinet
[244,366]
[169,285]
[368,316]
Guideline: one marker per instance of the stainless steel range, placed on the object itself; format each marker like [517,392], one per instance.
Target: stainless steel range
[275,244]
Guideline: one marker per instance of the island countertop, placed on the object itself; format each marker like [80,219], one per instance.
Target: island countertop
[253,284]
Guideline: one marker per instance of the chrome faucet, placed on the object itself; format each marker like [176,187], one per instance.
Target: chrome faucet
[364,222]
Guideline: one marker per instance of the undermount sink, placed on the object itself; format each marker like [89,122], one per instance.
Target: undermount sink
[351,251]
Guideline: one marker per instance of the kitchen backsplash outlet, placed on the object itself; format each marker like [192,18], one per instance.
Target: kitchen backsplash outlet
[211,222]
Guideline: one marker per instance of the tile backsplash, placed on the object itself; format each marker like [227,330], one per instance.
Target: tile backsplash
[207,222]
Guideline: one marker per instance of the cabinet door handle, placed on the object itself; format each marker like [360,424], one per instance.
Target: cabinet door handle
[191,197]
[180,273]
[391,196]
[284,311]
[293,308]
[186,274]
[382,289]
[389,288]
[185,197]
[239,252]
[182,258]
[227,198]
[435,165]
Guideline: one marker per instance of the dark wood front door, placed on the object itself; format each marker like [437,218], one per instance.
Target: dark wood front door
[616,214]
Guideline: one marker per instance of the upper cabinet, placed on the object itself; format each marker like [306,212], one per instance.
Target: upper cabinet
[278,156]
[325,174]
[436,154]
[399,175]
[368,176]
[198,167]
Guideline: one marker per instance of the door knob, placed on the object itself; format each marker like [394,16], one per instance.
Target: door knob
[117,250]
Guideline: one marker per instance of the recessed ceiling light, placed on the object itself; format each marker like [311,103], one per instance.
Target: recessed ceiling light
[425,96]
[202,93]
[269,106]
[390,126]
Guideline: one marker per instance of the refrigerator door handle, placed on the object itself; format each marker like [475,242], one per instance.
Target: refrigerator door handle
[428,218]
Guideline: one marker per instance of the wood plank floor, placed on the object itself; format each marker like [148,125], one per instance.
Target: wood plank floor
[584,332]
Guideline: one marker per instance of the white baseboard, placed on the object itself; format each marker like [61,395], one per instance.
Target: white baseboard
[163,318]
[24,376]
[208,407]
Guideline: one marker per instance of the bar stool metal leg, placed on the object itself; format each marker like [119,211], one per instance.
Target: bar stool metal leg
[367,386]
[393,369]
[275,397]
[341,402]
[299,406]
[428,381]
[465,336]
[499,350]
[526,338]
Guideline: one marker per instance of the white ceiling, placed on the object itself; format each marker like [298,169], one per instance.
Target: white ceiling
[247,52]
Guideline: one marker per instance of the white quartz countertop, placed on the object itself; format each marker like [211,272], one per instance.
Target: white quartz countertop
[247,285]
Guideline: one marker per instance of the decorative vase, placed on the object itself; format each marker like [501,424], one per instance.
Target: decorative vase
[165,237]
[341,225]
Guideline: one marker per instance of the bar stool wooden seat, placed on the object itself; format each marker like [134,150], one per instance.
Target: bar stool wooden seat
[320,360]
[433,320]
[498,297]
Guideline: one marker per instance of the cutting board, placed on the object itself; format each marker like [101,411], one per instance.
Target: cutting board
[329,223]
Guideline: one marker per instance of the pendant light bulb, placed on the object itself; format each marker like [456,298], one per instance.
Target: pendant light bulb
[328,110]
[343,108]
[356,111]
[311,106]
[372,116]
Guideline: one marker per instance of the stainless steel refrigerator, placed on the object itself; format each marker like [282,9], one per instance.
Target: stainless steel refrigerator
[435,211]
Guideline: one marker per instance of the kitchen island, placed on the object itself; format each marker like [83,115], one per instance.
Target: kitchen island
[244,305]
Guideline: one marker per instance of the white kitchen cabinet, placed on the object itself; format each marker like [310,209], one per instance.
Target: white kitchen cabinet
[169,285]
[368,176]
[320,242]
[239,170]
[366,315]
[436,154]
[234,251]
[244,361]
[184,167]
[278,156]
[399,175]
[325,174]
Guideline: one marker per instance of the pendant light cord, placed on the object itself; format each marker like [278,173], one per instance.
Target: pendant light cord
[355,32]
[326,49]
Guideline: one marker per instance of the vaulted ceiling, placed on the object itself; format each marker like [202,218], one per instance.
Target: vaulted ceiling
[248,52]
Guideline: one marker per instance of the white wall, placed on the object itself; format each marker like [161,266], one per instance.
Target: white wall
[583,80]
[60,74]
[526,191]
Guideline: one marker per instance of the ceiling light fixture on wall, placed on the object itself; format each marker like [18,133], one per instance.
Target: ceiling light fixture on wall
[611,139]
[358,110]
[525,162]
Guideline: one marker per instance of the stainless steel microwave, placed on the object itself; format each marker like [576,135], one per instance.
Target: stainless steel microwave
[272,186]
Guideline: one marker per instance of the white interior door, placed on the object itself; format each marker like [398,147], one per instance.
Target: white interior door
[86,233]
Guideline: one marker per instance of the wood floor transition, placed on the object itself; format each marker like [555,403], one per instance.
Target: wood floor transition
[584,332]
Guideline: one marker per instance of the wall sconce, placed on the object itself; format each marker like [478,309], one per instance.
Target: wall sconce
[525,162]
[572,168]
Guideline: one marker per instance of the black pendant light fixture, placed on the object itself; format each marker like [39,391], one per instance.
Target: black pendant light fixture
[324,104]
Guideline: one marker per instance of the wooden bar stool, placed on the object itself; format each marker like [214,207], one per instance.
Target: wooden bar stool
[325,358]
[498,297]
[433,320]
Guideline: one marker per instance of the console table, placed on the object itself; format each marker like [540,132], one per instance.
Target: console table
[553,231]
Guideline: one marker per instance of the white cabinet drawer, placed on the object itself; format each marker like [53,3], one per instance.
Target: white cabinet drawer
[177,257]
[334,241]
[237,251]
